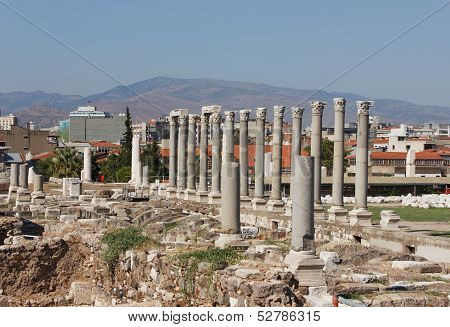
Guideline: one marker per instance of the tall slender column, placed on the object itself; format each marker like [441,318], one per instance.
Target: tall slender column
[87,165]
[337,210]
[145,181]
[244,116]
[202,194]
[276,204]
[172,156]
[189,194]
[23,176]
[258,201]
[182,148]
[135,157]
[214,196]
[229,139]
[316,152]
[360,215]
[296,146]
[302,259]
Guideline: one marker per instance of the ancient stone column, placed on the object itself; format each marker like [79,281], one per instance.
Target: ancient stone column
[38,195]
[182,158]
[202,194]
[244,116]
[228,146]
[411,163]
[14,176]
[337,210]
[190,193]
[230,209]
[258,202]
[296,146]
[13,182]
[134,157]
[302,260]
[30,178]
[173,122]
[316,152]
[145,181]
[23,176]
[275,204]
[87,165]
[138,178]
[214,196]
[360,215]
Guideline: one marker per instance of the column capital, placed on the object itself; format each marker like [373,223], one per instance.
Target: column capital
[216,118]
[204,118]
[339,104]
[172,120]
[193,119]
[244,115]
[230,115]
[183,120]
[317,107]
[261,113]
[278,111]
[364,106]
[297,112]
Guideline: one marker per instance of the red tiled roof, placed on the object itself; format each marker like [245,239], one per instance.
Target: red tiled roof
[424,155]
[381,141]
[43,155]
[103,144]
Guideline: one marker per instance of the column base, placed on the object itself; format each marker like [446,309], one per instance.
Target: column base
[307,268]
[190,195]
[246,202]
[338,213]
[360,217]
[319,211]
[259,204]
[389,220]
[215,198]
[202,196]
[38,198]
[180,193]
[225,240]
[171,193]
[275,206]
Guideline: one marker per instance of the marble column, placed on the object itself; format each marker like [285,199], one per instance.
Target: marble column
[411,163]
[87,165]
[145,181]
[302,259]
[190,193]
[138,178]
[275,204]
[182,157]
[360,215]
[13,182]
[228,146]
[296,146]
[23,176]
[134,157]
[337,210]
[202,193]
[173,122]
[215,195]
[38,195]
[244,116]
[259,202]
[230,209]
[316,152]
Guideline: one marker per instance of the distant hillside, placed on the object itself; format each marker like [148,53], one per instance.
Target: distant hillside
[157,96]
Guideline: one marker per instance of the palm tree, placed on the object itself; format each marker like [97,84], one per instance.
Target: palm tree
[66,163]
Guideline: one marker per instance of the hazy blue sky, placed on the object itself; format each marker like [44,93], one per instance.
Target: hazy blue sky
[298,44]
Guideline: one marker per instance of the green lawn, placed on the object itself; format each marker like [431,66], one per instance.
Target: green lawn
[413,214]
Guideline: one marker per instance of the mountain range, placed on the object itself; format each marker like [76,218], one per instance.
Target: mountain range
[155,97]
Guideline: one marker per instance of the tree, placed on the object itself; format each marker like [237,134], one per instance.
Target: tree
[151,157]
[66,163]
[43,167]
[327,156]
[127,140]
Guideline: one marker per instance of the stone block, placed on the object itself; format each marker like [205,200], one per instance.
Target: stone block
[389,220]
[247,273]
[360,217]
[330,259]
[81,293]
[275,206]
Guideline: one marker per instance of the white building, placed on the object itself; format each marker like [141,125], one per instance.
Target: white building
[89,111]
[7,121]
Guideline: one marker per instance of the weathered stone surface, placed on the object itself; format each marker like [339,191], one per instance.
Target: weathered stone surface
[330,259]
[81,293]
[409,300]
[366,278]
[357,288]
[418,266]
[247,273]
